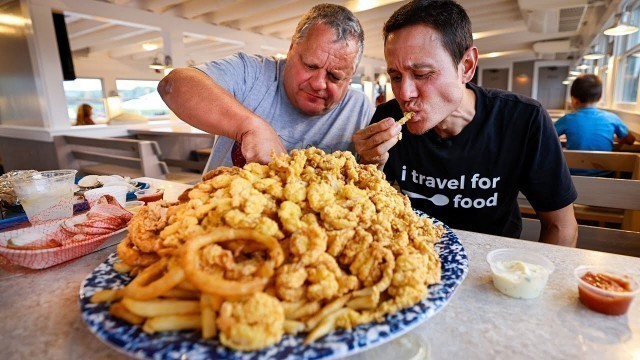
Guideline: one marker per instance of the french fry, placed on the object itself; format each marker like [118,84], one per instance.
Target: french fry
[364,302]
[181,294]
[290,307]
[171,323]
[331,307]
[208,315]
[120,311]
[153,308]
[107,295]
[326,325]
[304,310]
[293,327]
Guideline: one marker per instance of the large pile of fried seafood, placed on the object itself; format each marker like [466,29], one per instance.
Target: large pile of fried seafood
[309,243]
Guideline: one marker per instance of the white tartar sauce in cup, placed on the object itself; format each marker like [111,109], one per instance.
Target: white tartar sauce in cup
[519,279]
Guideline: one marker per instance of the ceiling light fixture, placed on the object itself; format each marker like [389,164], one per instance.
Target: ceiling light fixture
[594,54]
[622,25]
[156,64]
[149,46]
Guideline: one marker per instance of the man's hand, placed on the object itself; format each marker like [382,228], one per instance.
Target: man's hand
[259,142]
[373,142]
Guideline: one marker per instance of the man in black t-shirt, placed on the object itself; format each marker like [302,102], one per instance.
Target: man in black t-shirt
[467,151]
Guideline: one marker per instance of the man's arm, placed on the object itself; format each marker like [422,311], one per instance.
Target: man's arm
[198,100]
[559,227]
[629,139]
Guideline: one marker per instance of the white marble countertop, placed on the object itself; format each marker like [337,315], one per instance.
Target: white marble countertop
[41,315]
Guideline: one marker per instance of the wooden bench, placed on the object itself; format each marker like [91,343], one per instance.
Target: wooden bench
[603,192]
[627,164]
[121,156]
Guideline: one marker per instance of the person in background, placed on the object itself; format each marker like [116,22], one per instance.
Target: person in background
[467,151]
[85,112]
[262,105]
[589,128]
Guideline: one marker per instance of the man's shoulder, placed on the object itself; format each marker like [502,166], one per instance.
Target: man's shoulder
[357,100]
[506,97]
[390,108]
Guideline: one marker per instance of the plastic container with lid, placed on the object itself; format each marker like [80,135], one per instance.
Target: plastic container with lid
[606,291]
[519,273]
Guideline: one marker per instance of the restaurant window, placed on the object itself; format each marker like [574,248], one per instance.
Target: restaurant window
[630,72]
[629,69]
[141,97]
[85,91]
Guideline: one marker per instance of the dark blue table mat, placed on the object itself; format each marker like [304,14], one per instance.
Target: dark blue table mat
[16,215]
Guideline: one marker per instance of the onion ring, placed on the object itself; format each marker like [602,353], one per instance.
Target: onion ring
[217,285]
[147,285]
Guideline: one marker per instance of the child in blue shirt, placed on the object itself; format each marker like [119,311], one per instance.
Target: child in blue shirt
[589,128]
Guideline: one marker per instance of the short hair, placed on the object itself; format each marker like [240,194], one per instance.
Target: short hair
[447,17]
[337,17]
[587,88]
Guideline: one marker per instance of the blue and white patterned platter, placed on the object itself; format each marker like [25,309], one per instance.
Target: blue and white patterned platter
[134,342]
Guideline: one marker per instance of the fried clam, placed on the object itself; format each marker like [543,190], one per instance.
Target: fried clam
[407,116]
[251,323]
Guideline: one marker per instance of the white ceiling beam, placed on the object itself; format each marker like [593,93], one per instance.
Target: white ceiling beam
[106,47]
[84,26]
[288,25]
[296,9]
[193,8]
[110,34]
[246,9]
[136,46]
[159,5]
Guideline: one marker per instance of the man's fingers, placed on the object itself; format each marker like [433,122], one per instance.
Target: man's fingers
[374,129]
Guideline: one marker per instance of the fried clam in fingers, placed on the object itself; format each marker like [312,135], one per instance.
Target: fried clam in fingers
[407,116]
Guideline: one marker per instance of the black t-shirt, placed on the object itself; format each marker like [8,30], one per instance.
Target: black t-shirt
[509,146]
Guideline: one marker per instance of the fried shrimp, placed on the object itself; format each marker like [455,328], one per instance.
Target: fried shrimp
[407,116]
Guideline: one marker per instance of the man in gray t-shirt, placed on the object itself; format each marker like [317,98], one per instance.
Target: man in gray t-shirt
[259,105]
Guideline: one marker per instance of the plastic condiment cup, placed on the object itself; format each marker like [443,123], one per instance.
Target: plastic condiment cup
[46,195]
[118,192]
[134,206]
[606,301]
[150,195]
[518,273]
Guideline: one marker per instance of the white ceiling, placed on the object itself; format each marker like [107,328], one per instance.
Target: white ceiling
[510,27]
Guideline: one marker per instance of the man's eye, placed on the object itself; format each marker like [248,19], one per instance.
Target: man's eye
[395,78]
[334,78]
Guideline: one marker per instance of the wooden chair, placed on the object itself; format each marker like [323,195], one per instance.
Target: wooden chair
[125,157]
[604,192]
[619,162]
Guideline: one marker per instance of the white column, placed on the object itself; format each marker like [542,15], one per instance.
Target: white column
[47,67]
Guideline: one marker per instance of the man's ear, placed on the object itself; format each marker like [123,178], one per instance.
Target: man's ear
[468,64]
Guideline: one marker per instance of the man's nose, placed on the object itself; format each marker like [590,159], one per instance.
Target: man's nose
[406,90]
[318,80]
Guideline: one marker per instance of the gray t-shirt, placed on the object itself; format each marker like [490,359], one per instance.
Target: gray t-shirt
[256,82]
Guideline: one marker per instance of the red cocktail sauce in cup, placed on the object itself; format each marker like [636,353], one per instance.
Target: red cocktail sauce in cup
[605,291]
